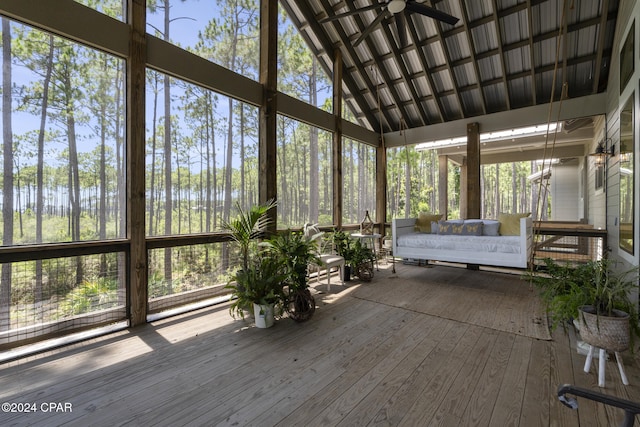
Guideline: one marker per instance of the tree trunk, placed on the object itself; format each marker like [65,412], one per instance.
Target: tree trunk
[7,183]
[102,206]
[40,167]
[154,138]
[497,192]
[243,200]
[74,173]
[483,191]
[314,190]
[407,184]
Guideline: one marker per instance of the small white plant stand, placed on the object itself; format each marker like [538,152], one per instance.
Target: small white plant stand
[602,356]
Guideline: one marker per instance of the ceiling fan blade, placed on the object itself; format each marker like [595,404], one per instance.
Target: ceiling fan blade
[431,12]
[401,26]
[352,12]
[382,15]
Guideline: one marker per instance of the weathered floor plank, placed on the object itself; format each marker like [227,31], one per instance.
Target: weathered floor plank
[356,362]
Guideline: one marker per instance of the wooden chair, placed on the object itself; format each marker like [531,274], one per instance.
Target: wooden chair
[326,260]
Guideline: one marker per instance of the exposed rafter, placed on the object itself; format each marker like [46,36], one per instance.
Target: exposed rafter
[481,70]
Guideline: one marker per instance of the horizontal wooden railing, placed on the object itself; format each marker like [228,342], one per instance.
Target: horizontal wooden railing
[571,241]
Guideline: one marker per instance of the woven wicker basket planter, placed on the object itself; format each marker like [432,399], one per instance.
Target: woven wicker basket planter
[609,333]
[301,305]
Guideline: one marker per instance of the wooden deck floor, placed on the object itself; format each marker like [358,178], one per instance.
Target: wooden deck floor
[356,362]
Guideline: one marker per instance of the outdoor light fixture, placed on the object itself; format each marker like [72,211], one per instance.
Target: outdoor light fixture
[602,152]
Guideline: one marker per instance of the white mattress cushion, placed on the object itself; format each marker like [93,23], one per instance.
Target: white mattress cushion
[500,244]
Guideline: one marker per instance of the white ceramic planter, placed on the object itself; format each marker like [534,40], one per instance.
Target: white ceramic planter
[263,315]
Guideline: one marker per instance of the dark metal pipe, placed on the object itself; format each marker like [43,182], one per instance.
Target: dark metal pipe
[631,409]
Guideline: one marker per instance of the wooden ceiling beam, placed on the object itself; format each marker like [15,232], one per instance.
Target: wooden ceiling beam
[406,78]
[427,73]
[397,101]
[472,58]
[507,97]
[602,32]
[532,70]
[585,106]
[327,45]
[353,57]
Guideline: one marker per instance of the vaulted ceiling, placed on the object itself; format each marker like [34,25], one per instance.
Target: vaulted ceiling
[499,56]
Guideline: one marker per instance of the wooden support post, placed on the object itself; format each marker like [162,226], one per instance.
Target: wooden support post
[267,145]
[473,171]
[443,186]
[135,164]
[337,139]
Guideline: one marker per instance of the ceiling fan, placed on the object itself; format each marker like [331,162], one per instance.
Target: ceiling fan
[399,9]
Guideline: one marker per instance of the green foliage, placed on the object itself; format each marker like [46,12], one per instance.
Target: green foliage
[249,225]
[342,245]
[297,251]
[565,287]
[99,293]
[261,282]
[352,250]
[360,253]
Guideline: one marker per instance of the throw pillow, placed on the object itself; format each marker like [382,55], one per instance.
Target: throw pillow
[472,229]
[445,227]
[510,223]
[423,223]
[472,221]
[491,227]
[460,228]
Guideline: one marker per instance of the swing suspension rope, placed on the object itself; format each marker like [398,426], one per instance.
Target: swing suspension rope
[550,148]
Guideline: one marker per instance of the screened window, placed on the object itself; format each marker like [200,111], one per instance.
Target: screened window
[225,33]
[304,175]
[65,144]
[359,181]
[202,156]
[299,72]
[505,188]
[627,159]
[113,8]
[412,182]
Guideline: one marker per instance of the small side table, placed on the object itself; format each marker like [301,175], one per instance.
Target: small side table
[370,241]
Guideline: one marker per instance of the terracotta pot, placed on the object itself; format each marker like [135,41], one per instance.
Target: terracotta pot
[606,332]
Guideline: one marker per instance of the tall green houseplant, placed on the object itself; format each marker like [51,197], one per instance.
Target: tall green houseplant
[260,283]
[297,251]
[248,226]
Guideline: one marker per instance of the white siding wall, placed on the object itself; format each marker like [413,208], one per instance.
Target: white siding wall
[565,188]
[596,199]
[629,11]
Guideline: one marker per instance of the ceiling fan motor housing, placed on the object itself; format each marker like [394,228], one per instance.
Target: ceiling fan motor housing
[396,6]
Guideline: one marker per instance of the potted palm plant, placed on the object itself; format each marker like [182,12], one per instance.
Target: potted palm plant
[260,285]
[596,295]
[248,226]
[258,280]
[297,251]
[609,318]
